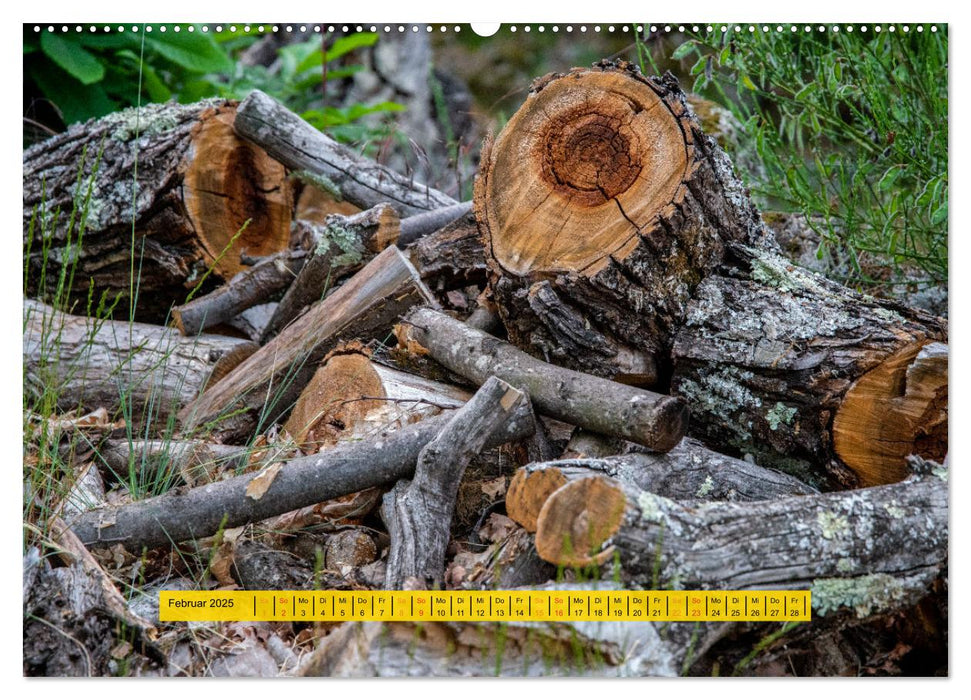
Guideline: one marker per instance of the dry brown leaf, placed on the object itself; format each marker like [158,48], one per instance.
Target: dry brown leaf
[494,489]
[497,527]
[259,484]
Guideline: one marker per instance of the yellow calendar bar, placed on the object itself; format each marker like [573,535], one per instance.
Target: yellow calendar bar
[485,606]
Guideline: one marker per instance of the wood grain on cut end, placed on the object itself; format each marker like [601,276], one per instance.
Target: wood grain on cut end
[333,400]
[597,152]
[227,182]
[578,519]
[528,492]
[897,409]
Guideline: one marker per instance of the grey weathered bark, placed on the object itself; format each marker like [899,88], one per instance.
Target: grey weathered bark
[256,285]
[197,186]
[892,536]
[301,147]
[90,362]
[602,205]
[689,471]
[655,421]
[202,511]
[414,228]
[419,513]
[810,377]
[265,386]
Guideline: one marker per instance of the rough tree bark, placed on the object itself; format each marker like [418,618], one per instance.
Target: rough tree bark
[96,363]
[198,185]
[265,386]
[341,246]
[602,205]
[830,385]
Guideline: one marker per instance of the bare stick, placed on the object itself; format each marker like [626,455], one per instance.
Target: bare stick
[202,511]
[655,421]
[301,147]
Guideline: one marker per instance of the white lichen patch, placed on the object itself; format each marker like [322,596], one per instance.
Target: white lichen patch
[894,510]
[151,120]
[780,414]
[863,594]
[832,525]
[705,487]
[722,395]
[844,565]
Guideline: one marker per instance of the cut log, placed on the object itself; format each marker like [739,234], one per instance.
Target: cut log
[198,186]
[810,377]
[351,398]
[89,362]
[419,513]
[256,285]
[602,205]
[689,471]
[331,166]
[655,421]
[340,246]
[204,510]
[266,385]
[896,532]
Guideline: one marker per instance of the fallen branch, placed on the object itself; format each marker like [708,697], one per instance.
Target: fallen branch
[202,511]
[418,513]
[301,147]
[689,471]
[655,421]
[248,288]
[891,538]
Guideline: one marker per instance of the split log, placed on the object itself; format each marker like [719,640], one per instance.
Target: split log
[810,377]
[689,471]
[90,362]
[602,205]
[419,513]
[326,163]
[351,398]
[655,421]
[198,186]
[897,535]
[267,384]
[256,285]
[202,511]
[341,246]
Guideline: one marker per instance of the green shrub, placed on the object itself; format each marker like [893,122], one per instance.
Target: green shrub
[851,128]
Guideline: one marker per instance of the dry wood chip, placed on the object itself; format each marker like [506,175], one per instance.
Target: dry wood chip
[259,484]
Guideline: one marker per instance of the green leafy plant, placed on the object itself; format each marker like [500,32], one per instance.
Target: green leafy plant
[90,74]
[851,128]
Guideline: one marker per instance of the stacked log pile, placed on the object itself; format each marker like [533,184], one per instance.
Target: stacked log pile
[608,330]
